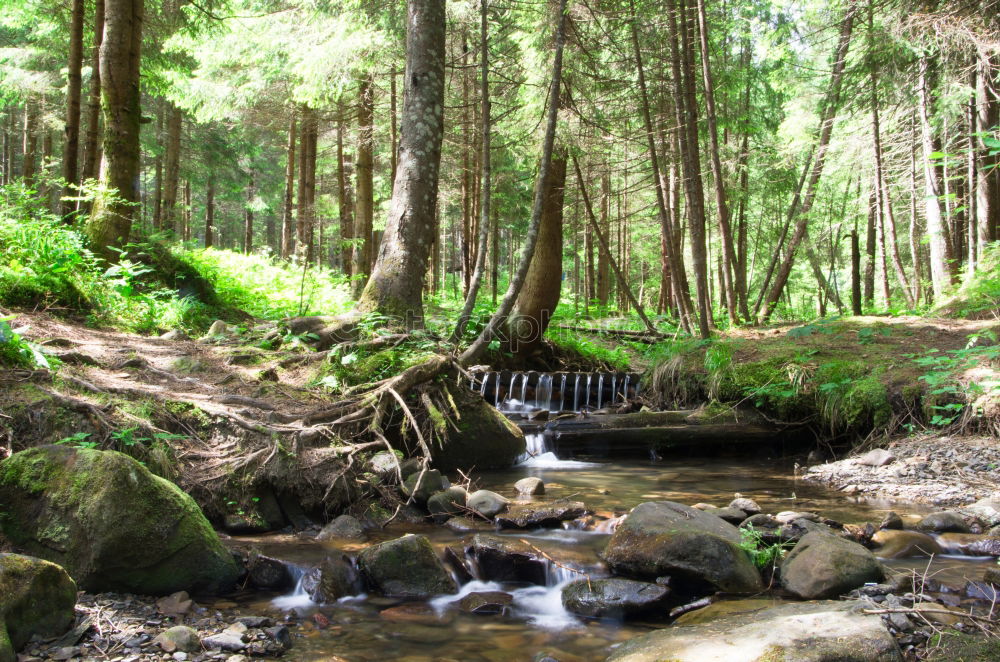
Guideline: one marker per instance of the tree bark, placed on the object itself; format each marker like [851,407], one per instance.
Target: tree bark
[210,210]
[395,285]
[111,220]
[345,202]
[29,143]
[485,175]
[288,206]
[71,148]
[940,249]
[365,207]
[541,186]
[248,216]
[987,167]
[91,146]
[800,207]
[171,177]
[855,274]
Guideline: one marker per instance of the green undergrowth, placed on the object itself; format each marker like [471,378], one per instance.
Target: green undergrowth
[842,376]
[979,296]
[590,349]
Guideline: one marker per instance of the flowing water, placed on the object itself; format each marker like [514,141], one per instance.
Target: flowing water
[368,628]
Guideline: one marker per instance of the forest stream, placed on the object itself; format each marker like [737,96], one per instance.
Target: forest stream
[374,628]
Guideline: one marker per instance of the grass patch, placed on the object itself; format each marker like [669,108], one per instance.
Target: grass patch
[589,349]
[979,296]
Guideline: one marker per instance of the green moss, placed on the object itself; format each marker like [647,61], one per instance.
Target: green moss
[965,648]
[7,653]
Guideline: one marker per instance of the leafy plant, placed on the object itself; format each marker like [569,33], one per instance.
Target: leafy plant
[78,440]
[762,554]
[17,352]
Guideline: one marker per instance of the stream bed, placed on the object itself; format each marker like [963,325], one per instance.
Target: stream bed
[369,628]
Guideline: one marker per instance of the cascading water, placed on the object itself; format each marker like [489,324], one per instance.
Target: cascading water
[298,598]
[538,454]
[587,403]
[562,392]
[614,389]
[576,393]
[600,390]
[543,392]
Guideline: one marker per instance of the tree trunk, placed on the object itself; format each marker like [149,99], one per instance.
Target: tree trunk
[722,205]
[855,274]
[364,187]
[171,177]
[345,201]
[111,220]
[288,206]
[209,210]
[248,216]
[396,282]
[29,143]
[541,186]
[484,175]
[312,145]
[71,149]
[800,207]
[987,167]
[940,250]
[91,145]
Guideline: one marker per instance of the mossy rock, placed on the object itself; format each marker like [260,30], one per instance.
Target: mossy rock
[485,439]
[112,524]
[406,567]
[36,598]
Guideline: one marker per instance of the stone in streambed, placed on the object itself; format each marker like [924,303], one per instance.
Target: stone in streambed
[696,548]
[503,559]
[486,503]
[891,521]
[178,638]
[484,438]
[948,521]
[970,544]
[898,544]
[734,516]
[36,597]
[344,527]
[431,483]
[530,486]
[877,457]
[825,566]
[487,602]
[269,574]
[614,597]
[406,567]
[112,524]
[749,506]
[550,515]
[333,579]
[447,503]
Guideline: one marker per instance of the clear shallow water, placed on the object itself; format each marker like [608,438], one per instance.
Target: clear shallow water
[373,628]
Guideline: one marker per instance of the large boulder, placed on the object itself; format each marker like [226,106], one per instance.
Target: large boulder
[825,566]
[406,567]
[614,597]
[36,597]
[331,580]
[112,524]
[546,515]
[485,439]
[795,632]
[699,550]
[504,559]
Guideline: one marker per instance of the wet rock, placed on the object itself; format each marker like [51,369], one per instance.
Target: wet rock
[948,521]
[176,604]
[431,483]
[987,510]
[467,525]
[178,638]
[614,597]
[825,566]
[982,591]
[454,559]
[333,579]
[891,521]
[406,567]
[992,575]
[704,506]
[487,602]
[530,486]
[749,506]
[110,523]
[36,598]
[696,548]
[797,632]
[786,516]
[280,635]
[230,642]
[877,457]
[529,516]
[485,438]
[447,503]
[895,544]
[760,521]
[255,622]
[486,503]
[269,574]
[734,516]
[344,527]
[970,544]
[502,559]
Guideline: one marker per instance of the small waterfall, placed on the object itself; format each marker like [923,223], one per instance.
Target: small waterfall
[543,392]
[482,387]
[587,403]
[614,389]
[562,392]
[627,378]
[298,597]
[524,388]
[600,389]
[576,393]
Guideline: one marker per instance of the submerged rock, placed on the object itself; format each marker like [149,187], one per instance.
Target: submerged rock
[269,574]
[36,598]
[825,566]
[333,579]
[899,544]
[406,567]
[529,516]
[487,602]
[112,524]
[344,527]
[948,521]
[665,538]
[970,544]
[502,559]
[891,521]
[813,632]
[614,597]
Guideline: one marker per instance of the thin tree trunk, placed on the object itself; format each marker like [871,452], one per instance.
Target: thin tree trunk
[91,145]
[722,205]
[248,216]
[484,176]
[855,274]
[364,186]
[309,173]
[603,273]
[987,167]
[111,220]
[171,178]
[345,201]
[71,149]
[799,208]
[301,197]
[396,282]
[210,210]
[29,143]
[288,204]
[541,186]
[940,250]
